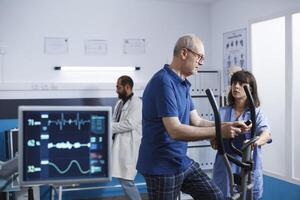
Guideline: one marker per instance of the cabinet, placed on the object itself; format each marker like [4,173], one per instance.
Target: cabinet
[201,151]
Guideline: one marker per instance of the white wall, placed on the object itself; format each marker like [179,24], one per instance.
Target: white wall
[228,15]
[24,24]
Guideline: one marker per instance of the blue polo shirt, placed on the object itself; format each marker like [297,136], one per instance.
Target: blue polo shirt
[166,95]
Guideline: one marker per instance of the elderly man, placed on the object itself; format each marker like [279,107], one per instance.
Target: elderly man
[169,121]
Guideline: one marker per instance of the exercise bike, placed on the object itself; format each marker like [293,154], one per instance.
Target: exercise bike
[241,185]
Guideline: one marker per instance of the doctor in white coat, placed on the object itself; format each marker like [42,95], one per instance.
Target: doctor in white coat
[127,133]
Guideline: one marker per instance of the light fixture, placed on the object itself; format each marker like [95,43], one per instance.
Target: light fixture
[97,68]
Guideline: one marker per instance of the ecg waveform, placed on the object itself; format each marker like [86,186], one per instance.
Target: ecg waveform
[62,121]
[67,145]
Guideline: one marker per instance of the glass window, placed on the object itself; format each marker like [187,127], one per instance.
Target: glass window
[268,66]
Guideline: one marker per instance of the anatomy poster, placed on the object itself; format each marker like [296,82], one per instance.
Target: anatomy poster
[234,53]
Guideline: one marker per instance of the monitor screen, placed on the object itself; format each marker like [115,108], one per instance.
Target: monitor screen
[64,144]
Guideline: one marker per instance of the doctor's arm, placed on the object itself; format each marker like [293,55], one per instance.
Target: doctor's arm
[132,119]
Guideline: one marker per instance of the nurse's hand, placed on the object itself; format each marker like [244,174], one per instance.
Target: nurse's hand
[248,123]
[244,126]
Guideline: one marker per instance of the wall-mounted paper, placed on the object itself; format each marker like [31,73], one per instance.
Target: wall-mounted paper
[56,45]
[95,47]
[234,53]
[134,46]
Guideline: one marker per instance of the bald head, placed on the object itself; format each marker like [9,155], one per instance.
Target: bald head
[188,55]
[189,41]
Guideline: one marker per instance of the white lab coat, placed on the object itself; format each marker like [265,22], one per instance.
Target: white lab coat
[127,139]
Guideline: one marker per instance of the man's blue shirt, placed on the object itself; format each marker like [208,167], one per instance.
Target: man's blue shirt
[166,95]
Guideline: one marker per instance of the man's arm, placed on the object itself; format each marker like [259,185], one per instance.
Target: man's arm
[196,120]
[185,132]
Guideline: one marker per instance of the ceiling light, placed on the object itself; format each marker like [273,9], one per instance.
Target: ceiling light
[96,68]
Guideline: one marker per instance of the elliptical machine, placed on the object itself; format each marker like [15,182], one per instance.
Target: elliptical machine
[241,185]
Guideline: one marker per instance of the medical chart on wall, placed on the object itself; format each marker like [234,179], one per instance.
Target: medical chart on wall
[95,47]
[134,46]
[234,54]
[56,45]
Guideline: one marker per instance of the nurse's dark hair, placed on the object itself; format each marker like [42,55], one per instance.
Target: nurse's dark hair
[244,77]
[126,80]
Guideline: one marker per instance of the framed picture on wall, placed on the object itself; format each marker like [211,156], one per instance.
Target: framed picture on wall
[56,45]
[234,54]
[134,46]
[95,47]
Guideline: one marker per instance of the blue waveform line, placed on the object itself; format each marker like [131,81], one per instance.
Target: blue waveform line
[62,121]
[68,168]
